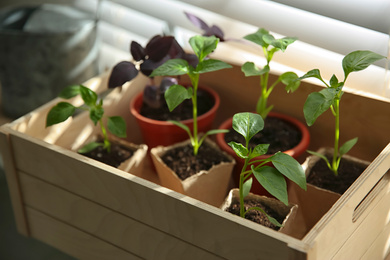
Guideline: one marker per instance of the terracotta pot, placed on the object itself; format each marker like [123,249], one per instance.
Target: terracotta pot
[295,152]
[164,133]
[208,186]
[289,211]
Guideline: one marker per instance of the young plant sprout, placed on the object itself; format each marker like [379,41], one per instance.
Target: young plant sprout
[176,94]
[270,45]
[63,110]
[319,102]
[271,178]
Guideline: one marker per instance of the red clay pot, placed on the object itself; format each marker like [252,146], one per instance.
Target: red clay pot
[295,152]
[164,133]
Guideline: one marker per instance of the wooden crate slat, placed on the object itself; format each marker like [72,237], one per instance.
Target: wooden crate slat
[366,233]
[13,183]
[381,248]
[106,224]
[185,218]
[72,241]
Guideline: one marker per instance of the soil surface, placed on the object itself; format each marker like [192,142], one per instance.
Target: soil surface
[183,162]
[255,215]
[322,177]
[117,155]
[184,111]
[279,134]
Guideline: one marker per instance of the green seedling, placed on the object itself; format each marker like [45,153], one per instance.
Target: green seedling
[63,110]
[271,178]
[176,94]
[270,46]
[319,102]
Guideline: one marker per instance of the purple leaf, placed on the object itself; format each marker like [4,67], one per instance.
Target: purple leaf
[148,65]
[137,51]
[152,96]
[166,83]
[197,21]
[122,72]
[216,31]
[158,47]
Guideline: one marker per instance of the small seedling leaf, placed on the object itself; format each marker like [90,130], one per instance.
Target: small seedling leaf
[70,92]
[88,96]
[239,149]
[117,126]
[290,80]
[250,69]
[176,94]
[347,146]
[246,187]
[273,181]
[203,45]
[247,124]
[59,113]
[259,150]
[359,60]
[89,147]
[211,65]
[96,113]
[174,67]
[290,168]
[257,37]
[317,103]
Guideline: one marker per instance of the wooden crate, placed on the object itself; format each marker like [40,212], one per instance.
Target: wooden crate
[93,211]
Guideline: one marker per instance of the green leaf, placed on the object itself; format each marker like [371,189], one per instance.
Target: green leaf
[117,126]
[280,44]
[96,113]
[315,73]
[239,149]
[182,126]
[89,147]
[248,124]
[257,37]
[347,146]
[290,168]
[203,45]
[272,181]
[59,113]
[250,69]
[259,150]
[290,80]
[70,92]
[359,60]
[323,157]
[211,65]
[271,219]
[174,67]
[176,94]
[317,103]
[334,81]
[246,187]
[89,96]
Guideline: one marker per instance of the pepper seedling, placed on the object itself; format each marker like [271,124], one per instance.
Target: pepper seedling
[269,45]
[176,94]
[319,102]
[63,110]
[271,178]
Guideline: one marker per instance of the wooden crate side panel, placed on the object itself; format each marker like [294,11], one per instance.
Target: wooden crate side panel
[339,219]
[72,241]
[13,182]
[366,234]
[106,224]
[196,223]
[381,248]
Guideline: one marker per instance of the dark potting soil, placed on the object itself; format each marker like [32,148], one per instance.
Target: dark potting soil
[255,215]
[183,162]
[183,111]
[279,134]
[117,155]
[322,177]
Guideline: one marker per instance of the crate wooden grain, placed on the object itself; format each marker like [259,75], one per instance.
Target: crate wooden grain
[93,211]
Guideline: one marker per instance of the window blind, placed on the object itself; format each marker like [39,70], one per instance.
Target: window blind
[323,39]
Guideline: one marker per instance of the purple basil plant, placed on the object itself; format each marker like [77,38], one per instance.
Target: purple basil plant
[157,51]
